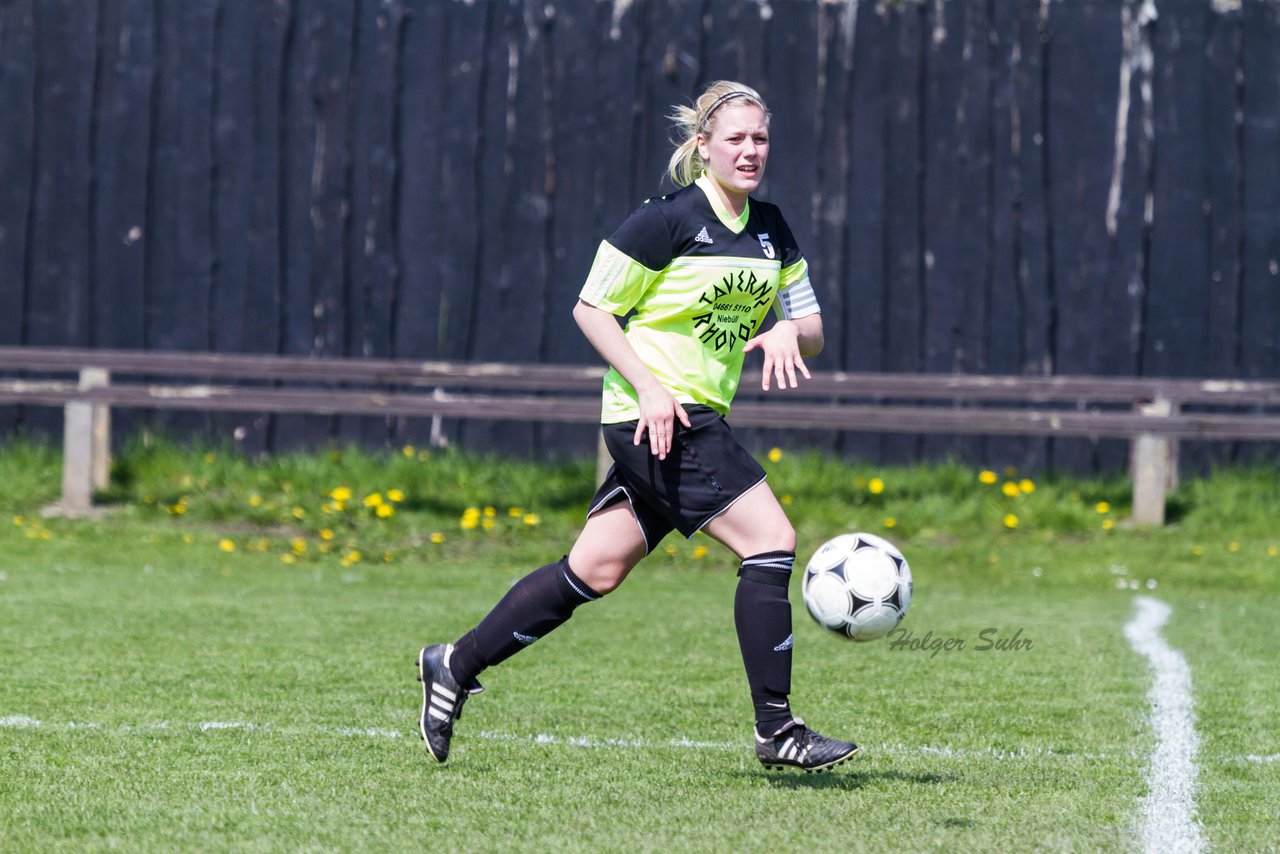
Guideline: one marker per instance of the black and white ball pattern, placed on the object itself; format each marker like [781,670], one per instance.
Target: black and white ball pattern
[858,586]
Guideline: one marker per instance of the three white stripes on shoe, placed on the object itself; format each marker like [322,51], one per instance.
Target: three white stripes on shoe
[792,751]
[442,702]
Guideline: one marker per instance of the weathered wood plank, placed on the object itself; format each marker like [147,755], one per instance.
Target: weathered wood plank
[18,130]
[584,409]
[497,375]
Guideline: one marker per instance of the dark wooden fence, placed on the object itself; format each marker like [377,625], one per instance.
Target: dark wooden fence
[997,186]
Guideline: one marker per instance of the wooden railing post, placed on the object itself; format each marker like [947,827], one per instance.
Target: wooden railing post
[1153,463]
[86,446]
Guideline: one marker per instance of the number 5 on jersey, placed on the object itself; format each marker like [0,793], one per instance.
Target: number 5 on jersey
[765,244]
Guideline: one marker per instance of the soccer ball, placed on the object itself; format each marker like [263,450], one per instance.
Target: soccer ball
[858,586]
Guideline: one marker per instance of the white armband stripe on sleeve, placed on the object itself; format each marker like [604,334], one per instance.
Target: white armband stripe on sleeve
[799,300]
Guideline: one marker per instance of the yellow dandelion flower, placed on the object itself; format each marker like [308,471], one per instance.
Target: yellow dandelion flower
[255,500]
[338,506]
[515,512]
[699,552]
[531,519]
[489,512]
[288,558]
[188,539]
[46,534]
[987,476]
[388,557]
[326,534]
[423,456]
[1027,485]
[469,522]
[1273,551]
[325,548]
[487,523]
[775,454]
[437,537]
[1010,489]
[341,493]
[396,495]
[408,451]
[227,545]
[19,521]
[1198,551]
[890,522]
[786,500]
[1010,521]
[298,544]
[1233,546]
[351,557]
[261,545]
[384,511]
[298,513]
[1108,524]
[1102,507]
[875,486]
[178,509]
[373,499]
[672,550]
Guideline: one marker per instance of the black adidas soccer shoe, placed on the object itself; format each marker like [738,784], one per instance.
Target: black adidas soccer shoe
[442,698]
[794,745]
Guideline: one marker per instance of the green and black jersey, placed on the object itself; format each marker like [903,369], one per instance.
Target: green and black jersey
[700,282]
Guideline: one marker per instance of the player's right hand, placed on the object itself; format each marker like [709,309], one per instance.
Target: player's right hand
[658,414]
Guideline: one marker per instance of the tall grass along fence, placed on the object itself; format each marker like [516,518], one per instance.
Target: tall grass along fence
[1152,414]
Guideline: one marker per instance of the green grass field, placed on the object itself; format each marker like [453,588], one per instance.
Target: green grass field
[225,661]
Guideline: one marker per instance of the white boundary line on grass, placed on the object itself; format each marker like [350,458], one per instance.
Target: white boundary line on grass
[1169,809]
[26,722]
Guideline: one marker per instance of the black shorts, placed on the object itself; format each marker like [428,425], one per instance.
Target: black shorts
[706,472]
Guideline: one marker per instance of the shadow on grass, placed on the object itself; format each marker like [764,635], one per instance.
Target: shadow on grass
[849,780]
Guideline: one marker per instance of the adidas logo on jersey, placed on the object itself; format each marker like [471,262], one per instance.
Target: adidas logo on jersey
[703,237]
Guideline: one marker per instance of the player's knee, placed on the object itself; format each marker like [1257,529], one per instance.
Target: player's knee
[605,574]
[783,539]
[789,539]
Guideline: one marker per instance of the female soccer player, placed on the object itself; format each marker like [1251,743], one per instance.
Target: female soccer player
[700,268]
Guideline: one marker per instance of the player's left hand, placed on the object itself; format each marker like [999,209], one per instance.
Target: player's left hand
[781,349]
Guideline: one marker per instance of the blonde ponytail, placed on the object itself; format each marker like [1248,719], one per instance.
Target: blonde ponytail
[686,163]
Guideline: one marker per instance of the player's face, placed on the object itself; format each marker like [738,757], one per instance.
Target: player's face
[736,148]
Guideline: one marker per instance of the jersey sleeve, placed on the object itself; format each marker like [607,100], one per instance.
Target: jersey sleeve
[795,294]
[629,261]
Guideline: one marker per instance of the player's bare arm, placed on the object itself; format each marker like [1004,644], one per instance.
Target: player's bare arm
[658,409]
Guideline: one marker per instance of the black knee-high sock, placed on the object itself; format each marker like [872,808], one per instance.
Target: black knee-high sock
[762,615]
[535,605]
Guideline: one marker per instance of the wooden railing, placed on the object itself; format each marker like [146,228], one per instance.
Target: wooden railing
[1152,413]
